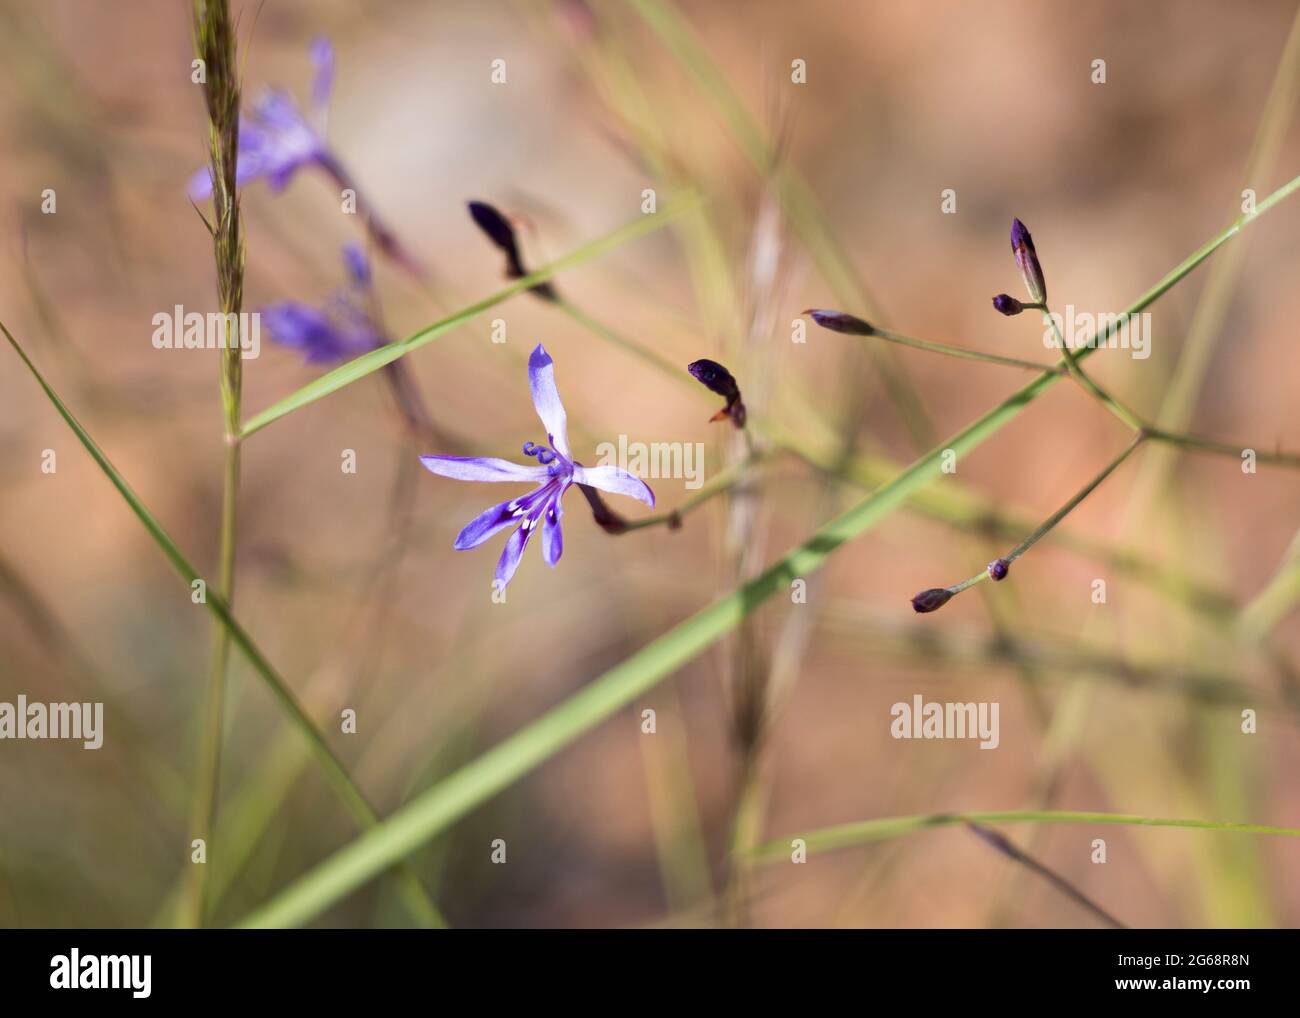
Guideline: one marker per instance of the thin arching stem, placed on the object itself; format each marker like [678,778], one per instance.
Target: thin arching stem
[1046,526]
[963,353]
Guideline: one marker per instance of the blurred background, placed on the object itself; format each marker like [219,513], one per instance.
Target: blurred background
[825,193]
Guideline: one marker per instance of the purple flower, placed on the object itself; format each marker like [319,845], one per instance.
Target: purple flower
[275,138]
[999,568]
[339,329]
[553,474]
[1022,246]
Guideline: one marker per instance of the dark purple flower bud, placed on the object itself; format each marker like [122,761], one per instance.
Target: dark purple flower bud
[500,231]
[999,568]
[1007,305]
[931,600]
[1022,246]
[838,321]
[714,377]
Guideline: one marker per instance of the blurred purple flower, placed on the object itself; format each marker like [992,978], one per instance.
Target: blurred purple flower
[553,474]
[341,328]
[277,139]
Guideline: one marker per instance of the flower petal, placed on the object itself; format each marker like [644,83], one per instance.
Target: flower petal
[620,482]
[321,337]
[546,398]
[552,538]
[513,552]
[322,59]
[487,523]
[484,468]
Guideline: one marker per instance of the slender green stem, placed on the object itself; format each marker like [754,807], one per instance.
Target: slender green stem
[728,479]
[1137,423]
[1265,610]
[643,353]
[848,835]
[1234,449]
[1056,517]
[214,43]
[1078,497]
[1086,382]
[961,352]
[204,810]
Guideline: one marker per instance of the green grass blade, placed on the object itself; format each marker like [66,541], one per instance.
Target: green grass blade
[368,363]
[335,772]
[440,806]
[847,835]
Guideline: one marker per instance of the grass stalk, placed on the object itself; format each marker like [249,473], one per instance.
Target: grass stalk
[214,44]
[829,839]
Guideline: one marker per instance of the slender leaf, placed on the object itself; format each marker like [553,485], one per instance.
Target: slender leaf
[847,835]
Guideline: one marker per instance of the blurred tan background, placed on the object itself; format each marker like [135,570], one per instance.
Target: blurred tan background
[1118,182]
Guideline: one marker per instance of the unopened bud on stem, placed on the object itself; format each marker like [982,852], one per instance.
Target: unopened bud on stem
[1022,246]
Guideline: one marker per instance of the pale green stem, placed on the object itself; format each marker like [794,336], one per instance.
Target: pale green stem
[725,481]
[1057,516]
[1085,380]
[848,835]
[961,352]
[1136,423]
[214,43]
